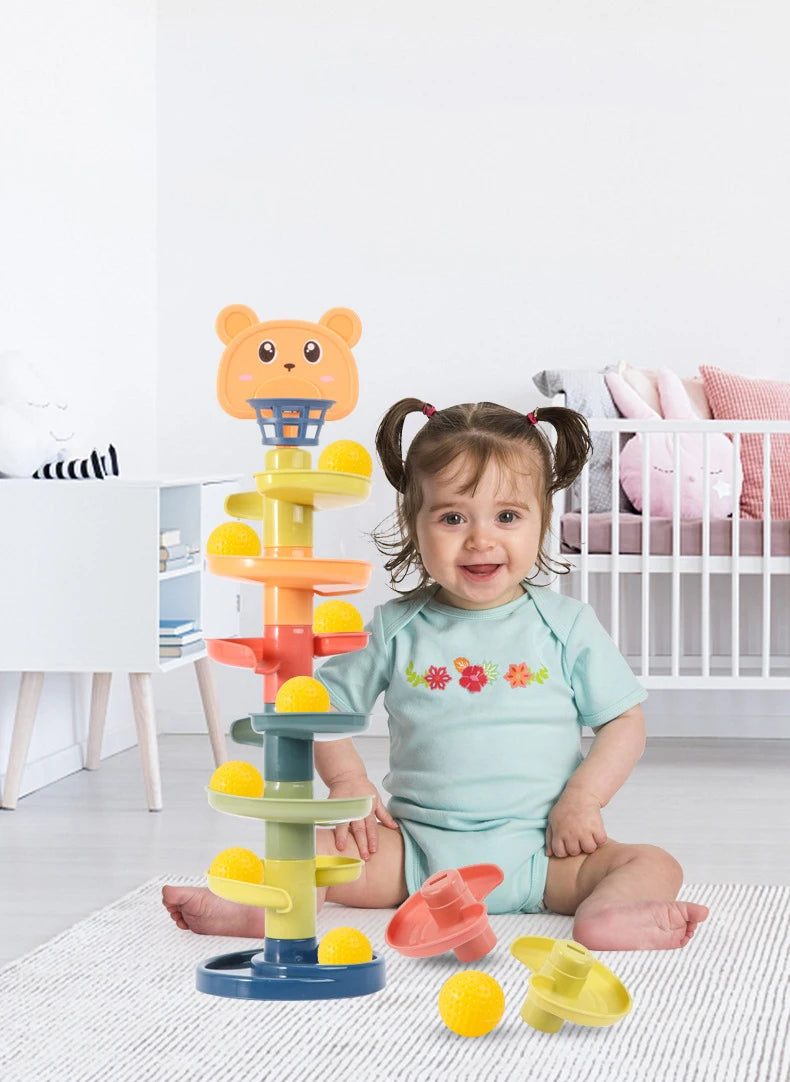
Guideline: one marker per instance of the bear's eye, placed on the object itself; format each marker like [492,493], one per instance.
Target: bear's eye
[267,351]
[312,351]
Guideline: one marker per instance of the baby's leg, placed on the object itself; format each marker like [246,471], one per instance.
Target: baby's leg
[623,897]
[381,884]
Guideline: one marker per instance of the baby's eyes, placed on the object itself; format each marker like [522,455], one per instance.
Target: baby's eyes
[454,518]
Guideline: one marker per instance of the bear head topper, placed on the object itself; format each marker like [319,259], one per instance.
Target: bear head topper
[286,358]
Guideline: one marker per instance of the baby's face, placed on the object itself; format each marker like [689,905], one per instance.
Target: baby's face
[480,545]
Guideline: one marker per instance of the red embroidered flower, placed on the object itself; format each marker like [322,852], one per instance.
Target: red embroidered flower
[473,678]
[437,678]
[518,676]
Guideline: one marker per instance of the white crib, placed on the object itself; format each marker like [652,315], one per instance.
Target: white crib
[691,604]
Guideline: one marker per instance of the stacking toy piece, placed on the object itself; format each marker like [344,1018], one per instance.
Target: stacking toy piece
[278,372]
[447,913]
[568,985]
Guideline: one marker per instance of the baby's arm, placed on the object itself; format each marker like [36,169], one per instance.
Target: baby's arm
[575,823]
[343,772]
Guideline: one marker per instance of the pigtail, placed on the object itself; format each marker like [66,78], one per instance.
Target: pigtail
[572,447]
[395,538]
[389,440]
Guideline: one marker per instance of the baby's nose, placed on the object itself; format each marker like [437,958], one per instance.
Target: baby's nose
[479,539]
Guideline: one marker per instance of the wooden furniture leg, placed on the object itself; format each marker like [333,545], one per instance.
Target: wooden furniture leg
[26,708]
[211,708]
[100,694]
[145,720]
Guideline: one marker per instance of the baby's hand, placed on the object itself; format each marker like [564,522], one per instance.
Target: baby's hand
[575,825]
[364,831]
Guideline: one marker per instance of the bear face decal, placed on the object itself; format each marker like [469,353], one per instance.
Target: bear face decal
[287,359]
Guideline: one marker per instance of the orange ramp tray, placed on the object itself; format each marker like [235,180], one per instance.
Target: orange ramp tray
[257,654]
[324,577]
[260,654]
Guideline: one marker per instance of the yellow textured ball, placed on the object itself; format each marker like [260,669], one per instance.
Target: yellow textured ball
[344,947]
[233,539]
[334,616]
[346,456]
[303,695]
[237,778]
[471,1003]
[237,863]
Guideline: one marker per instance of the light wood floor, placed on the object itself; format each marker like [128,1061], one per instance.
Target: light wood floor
[718,805]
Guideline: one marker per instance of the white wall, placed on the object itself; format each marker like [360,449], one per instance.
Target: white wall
[78,267]
[494,189]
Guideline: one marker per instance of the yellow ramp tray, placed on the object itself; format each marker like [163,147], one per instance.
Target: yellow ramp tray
[568,984]
[235,890]
[324,577]
[332,870]
[328,872]
[323,490]
[245,505]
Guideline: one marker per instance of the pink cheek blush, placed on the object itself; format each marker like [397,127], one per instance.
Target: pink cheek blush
[245,378]
[326,379]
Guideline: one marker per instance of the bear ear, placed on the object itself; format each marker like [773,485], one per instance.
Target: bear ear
[345,323]
[233,320]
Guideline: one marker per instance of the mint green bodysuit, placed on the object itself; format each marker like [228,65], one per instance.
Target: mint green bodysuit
[485,711]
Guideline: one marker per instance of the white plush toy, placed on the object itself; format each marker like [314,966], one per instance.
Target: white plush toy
[38,434]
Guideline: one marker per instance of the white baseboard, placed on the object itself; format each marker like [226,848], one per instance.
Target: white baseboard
[701,726]
[59,764]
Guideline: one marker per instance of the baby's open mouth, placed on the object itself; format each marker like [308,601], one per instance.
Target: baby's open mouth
[480,570]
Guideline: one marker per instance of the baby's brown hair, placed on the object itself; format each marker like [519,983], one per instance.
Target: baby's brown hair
[481,431]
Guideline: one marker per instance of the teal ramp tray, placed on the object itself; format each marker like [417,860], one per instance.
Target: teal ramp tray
[304,725]
[242,731]
[284,810]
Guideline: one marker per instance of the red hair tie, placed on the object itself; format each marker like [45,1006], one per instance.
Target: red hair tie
[428,409]
[532,418]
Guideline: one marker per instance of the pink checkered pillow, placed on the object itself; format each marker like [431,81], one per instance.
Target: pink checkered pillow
[737,398]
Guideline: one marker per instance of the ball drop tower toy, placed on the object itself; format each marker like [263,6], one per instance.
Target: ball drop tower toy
[291,376]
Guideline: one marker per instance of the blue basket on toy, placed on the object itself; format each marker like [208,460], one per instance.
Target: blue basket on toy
[290,422]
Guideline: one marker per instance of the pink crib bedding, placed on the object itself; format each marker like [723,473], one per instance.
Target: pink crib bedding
[600,535]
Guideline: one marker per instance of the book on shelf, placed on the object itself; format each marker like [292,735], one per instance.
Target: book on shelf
[176,563]
[169,536]
[176,626]
[182,639]
[172,552]
[180,651]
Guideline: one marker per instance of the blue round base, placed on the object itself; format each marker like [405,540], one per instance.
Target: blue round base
[247,975]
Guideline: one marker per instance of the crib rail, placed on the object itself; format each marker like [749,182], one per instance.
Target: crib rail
[670,613]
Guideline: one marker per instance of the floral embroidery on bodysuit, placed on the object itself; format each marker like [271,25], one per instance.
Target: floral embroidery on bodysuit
[437,678]
[474,677]
[518,676]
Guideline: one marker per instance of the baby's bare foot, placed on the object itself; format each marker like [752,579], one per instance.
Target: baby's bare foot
[637,925]
[198,910]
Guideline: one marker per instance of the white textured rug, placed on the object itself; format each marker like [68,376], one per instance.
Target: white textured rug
[113,1000]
